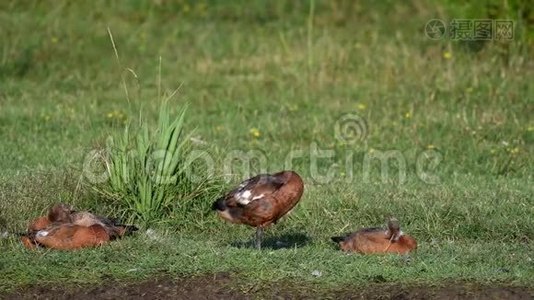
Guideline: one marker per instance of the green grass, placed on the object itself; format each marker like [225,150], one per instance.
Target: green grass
[145,172]
[274,78]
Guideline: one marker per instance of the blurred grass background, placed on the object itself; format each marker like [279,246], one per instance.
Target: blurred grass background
[274,77]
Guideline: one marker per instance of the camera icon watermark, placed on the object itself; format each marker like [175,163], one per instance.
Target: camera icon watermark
[435,29]
[470,29]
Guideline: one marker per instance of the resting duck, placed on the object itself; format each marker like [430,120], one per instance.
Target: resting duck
[261,200]
[67,237]
[378,240]
[64,228]
[61,213]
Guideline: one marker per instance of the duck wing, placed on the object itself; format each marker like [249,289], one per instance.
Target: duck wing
[87,219]
[254,188]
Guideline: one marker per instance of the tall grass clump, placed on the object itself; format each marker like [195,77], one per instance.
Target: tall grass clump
[150,170]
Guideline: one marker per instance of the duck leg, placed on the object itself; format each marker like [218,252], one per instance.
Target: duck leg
[259,236]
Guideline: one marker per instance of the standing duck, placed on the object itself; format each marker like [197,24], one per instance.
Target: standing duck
[261,200]
[378,240]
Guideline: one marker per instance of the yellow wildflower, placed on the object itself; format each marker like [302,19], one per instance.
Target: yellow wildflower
[408,115]
[447,55]
[514,150]
[116,115]
[255,132]
[430,146]
[292,107]
[361,106]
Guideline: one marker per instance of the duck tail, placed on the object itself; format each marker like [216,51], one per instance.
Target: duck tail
[338,239]
[122,230]
[130,228]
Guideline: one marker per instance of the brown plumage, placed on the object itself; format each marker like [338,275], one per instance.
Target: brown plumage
[261,200]
[61,213]
[378,240]
[38,224]
[65,228]
[70,236]
[28,242]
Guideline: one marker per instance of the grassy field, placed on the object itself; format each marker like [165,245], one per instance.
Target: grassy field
[344,83]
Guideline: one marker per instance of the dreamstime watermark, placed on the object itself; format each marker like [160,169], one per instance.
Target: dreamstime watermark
[350,129]
[324,165]
[470,29]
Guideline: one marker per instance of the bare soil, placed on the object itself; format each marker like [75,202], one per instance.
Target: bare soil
[220,286]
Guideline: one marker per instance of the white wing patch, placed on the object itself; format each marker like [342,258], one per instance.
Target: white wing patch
[245,194]
[245,197]
[42,233]
[258,197]
[398,236]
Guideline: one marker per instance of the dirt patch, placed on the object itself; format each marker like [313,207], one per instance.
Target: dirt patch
[450,291]
[220,286]
[206,287]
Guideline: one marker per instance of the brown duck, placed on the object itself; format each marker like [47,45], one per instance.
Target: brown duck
[67,236]
[65,228]
[261,200]
[62,213]
[378,240]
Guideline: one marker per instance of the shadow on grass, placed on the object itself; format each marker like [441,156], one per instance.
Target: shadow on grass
[284,241]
